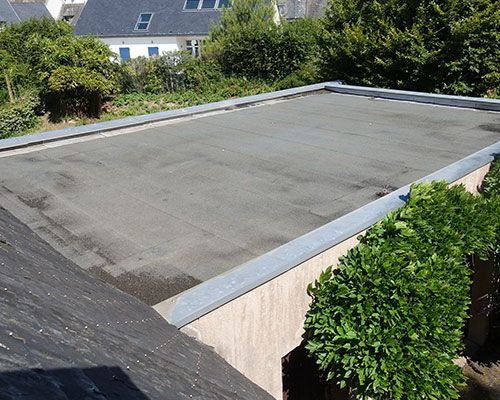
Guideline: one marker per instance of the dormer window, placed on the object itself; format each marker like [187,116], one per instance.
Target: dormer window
[143,22]
[206,4]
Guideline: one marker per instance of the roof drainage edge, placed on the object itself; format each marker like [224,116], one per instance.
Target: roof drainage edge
[479,103]
[134,121]
[193,303]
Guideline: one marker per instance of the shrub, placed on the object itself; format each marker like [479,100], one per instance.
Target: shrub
[78,71]
[249,43]
[448,46]
[19,41]
[20,116]
[72,74]
[388,322]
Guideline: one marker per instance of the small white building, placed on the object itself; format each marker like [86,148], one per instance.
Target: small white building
[135,28]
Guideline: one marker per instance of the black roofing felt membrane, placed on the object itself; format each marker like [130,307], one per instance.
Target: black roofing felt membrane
[65,334]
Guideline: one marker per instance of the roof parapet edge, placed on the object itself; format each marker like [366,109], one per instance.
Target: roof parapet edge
[193,303]
[479,103]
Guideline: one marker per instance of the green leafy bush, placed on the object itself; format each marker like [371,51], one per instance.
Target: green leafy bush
[72,74]
[250,43]
[19,117]
[388,322]
[491,183]
[449,46]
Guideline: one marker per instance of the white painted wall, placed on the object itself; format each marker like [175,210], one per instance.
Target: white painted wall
[139,45]
[54,7]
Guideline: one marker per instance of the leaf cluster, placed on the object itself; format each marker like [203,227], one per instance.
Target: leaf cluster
[251,42]
[388,322]
[449,46]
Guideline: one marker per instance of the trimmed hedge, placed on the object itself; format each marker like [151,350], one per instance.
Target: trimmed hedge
[18,117]
[388,323]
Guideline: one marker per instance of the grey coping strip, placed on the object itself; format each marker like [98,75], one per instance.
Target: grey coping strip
[129,122]
[100,127]
[209,295]
[419,97]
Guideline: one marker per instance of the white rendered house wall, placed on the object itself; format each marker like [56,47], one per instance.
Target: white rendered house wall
[145,46]
[54,7]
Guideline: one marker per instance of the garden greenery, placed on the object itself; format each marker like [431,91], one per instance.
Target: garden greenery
[447,46]
[389,322]
[20,115]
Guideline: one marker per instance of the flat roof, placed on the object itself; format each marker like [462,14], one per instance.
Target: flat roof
[159,210]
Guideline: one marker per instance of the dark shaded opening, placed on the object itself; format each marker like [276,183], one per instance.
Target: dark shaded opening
[302,379]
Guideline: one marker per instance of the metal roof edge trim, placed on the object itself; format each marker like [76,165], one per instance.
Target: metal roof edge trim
[17,142]
[417,97]
[193,303]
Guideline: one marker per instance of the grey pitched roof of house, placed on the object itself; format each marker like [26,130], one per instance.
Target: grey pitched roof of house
[65,334]
[7,13]
[109,18]
[26,11]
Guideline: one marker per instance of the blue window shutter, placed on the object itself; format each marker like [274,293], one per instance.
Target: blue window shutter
[124,53]
[153,51]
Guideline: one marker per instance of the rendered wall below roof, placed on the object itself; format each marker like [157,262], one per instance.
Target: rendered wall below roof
[256,330]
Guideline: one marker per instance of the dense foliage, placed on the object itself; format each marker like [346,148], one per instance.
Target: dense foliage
[71,74]
[249,42]
[388,322]
[20,115]
[450,46]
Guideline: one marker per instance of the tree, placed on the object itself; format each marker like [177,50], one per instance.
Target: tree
[79,71]
[251,42]
[71,74]
[448,46]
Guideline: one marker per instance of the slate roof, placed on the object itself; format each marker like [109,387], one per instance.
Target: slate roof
[66,335]
[108,18]
[7,13]
[27,11]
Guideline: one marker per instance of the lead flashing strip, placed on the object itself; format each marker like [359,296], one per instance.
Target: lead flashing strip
[135,121]
[129,122]
[417,97]
[210,295]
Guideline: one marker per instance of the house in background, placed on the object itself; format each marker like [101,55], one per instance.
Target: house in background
[146,28]
[16,11]
[23,10]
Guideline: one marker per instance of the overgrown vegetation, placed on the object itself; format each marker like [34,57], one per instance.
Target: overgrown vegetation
[389,322]
[448,46]
[20,115]
[248,42]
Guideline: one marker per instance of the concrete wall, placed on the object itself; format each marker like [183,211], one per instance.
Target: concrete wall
[254,331]
[139,45]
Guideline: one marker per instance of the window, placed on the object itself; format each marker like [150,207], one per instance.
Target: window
[153,51]
[191,5]
[208,3]
[193,46]
[143,22]
[124,53]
